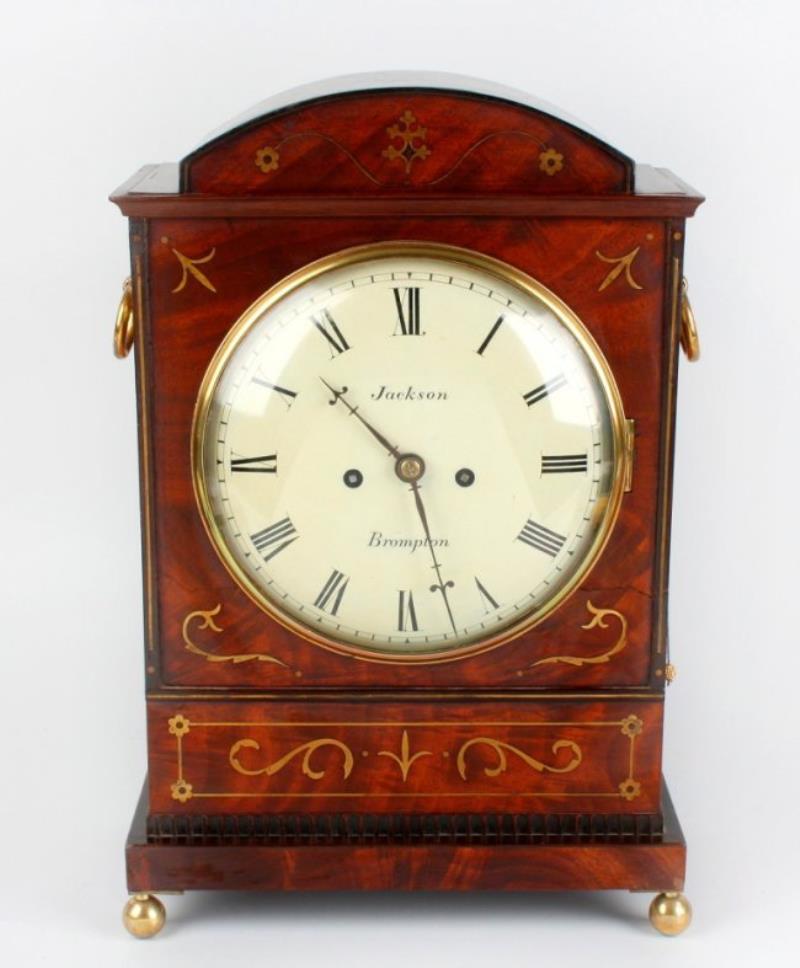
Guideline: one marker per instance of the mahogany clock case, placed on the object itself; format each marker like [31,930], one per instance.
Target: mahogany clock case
[260,736]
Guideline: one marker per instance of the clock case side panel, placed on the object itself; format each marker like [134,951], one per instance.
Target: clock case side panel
[213,635]
[673,272]
[143,359]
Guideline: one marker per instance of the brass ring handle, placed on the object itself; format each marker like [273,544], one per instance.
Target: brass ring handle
[124,325]
[690,341]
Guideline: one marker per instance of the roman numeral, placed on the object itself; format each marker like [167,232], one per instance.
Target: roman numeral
[490,335]
[407,302]
[332,591]
[534,396]
[542,538]
[326,324]
[486,598]
[280,535]
[565,464]
[406,613]
[255,465]
[290,394]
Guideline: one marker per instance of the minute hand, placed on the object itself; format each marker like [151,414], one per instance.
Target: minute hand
[441,586]
[340,395]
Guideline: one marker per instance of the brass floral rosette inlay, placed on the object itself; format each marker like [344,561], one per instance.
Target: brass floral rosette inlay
[550,161]
[267,159]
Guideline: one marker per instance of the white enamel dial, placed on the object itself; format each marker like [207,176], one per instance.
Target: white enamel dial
[407,451]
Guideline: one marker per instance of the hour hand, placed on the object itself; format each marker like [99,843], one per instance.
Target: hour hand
[339,396]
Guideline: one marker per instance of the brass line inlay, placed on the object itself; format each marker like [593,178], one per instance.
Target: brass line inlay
[268,158]
[600,615]
[666,452]
[621,264]
[147,496]
[181,790]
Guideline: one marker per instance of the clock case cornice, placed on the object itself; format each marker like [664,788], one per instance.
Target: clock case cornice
[314,151]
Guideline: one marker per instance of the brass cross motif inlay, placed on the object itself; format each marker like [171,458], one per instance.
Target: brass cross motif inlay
[412,138]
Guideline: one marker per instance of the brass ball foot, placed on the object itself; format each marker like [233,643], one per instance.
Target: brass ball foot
[144,915]
[670,913]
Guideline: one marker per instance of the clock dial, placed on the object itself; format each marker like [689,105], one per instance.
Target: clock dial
[408,451]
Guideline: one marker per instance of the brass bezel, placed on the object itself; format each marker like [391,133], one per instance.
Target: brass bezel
[505,272]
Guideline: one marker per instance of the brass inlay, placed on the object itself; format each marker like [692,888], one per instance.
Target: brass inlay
[410,146]
[502,760]
[666,453]
[208,622]
[144,444]
[267,159]
[621,264]
[125,323]
[630,727]
[181,790]
[178,725]
[606,511]
[412,139]
[550,161]
[306,749]
[405,761]
[189,267]
[600,615]
[690,341]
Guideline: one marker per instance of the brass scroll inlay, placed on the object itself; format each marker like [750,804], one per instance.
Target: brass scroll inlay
[451,756]
[622,264]
[502,760]
[405,761]
[189,267]
[599,620]
[208,622]
[412,141]
[307,749]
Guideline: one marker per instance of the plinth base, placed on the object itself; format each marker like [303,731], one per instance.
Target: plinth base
[590,863]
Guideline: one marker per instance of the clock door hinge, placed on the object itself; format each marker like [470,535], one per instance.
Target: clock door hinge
[630,433]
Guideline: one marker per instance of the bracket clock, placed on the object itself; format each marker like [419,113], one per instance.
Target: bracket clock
[406,353]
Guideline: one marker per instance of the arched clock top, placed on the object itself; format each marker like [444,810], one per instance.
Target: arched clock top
[375,134]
